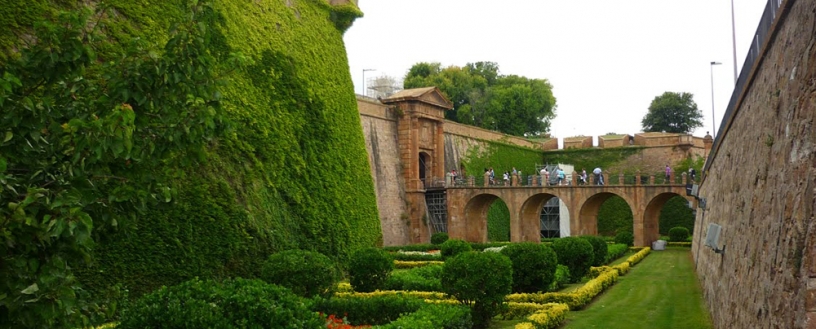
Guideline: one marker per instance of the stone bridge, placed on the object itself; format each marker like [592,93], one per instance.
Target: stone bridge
[468,207]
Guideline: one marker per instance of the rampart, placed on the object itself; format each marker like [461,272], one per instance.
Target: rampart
[759,184]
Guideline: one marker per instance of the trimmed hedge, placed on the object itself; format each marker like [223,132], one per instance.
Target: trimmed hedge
[439,238]
[306,273]
[235,303]
[576,254]
[615,251]
[479,280]
[599,249]
[454,247]
[533,266]
[426,278]
[369,269]
[626,238]
[678,234]
[375,310]
[415,256]
[399,264]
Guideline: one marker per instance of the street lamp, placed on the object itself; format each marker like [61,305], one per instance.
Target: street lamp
[734,41]
[713,118]
[364,71]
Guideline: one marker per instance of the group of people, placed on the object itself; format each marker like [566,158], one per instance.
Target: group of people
[561,176]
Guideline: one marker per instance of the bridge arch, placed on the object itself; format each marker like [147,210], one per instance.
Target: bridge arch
[587,222]
[651,215]
[473,224]
[529,215]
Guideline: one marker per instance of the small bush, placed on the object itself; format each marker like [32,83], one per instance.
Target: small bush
[480,280]
[235,303]
[599,249]
[615,251]
[306,273]
[454,247]
[369,269]
[626,238]
[562,278]
[373,310]
[576,254]
[439,238]
[678,234]
[435,316]
[533,266]
[426,278]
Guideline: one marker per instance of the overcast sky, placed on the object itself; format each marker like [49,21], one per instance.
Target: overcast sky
[606,60]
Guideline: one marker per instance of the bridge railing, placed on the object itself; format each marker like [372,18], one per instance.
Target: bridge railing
[612,179]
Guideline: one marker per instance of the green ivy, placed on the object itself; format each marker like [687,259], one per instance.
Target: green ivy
[676,213]
[498,222]
[293,175]
[501,157]
[614,216]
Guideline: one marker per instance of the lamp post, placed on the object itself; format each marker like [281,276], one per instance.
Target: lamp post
[713,118]
[364,71]
[734,41]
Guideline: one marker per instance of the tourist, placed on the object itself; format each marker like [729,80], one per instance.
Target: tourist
[506,178]
[598,176]
[583,176]
[668,174]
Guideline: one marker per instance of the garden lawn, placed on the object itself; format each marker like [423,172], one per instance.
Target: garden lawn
[661,291]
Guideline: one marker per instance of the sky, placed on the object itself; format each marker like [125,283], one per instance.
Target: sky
[606,60]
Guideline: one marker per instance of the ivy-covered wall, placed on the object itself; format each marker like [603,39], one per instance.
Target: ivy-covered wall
[294,174]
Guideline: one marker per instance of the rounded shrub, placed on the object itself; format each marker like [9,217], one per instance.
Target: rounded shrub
[306,273]
[237,303]
[454,247]
[439,238]
[599,249]
[533,266]
[369,269]
[678,234]
[576,254]
[481,280]
[626,238]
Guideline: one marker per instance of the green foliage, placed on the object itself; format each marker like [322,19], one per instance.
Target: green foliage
[235,303]
[415,257]
[615,216]
[374,310]
[479,280]
[439,238]
[626,238]
[615,251]
[562,278]
[676,212]
[412,247]
[369,269]
[501,157]
[77,142]
[435,316]
[306,273]
[599,249]
[590,158]
[425,278]
[481,97]
[498,222]
[454,247]
[235,199]
[533,266]
[576,254]
[678,234]
[673,113]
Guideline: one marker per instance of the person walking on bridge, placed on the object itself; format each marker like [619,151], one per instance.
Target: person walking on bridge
[598,176]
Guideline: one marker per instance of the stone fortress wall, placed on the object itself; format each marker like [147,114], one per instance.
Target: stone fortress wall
[759,186]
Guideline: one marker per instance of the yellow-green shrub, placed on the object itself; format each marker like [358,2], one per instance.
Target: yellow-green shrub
[636,258]
[401,264]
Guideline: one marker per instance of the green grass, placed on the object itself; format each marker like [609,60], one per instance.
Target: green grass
[661,291]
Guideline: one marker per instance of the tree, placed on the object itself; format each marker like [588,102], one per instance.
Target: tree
[673,113]
[482,97]
[77,139]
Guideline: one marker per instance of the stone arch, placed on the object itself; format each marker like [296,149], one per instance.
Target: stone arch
[587,221]
[651,215]
[473,227]
[529,224]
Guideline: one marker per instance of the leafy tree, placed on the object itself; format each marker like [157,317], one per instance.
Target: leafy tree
[673,113]
[75,139]
[482,97]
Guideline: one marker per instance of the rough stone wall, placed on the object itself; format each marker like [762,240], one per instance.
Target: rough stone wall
[484,134]
[653,160]
[578,142]
[380,131]
[760,189]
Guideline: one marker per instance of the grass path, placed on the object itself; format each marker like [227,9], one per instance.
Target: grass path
[661,291]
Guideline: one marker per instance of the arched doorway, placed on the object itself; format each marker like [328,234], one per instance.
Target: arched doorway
[424,169]
[651,220]
[540,217]
[473,226]
[615,216]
